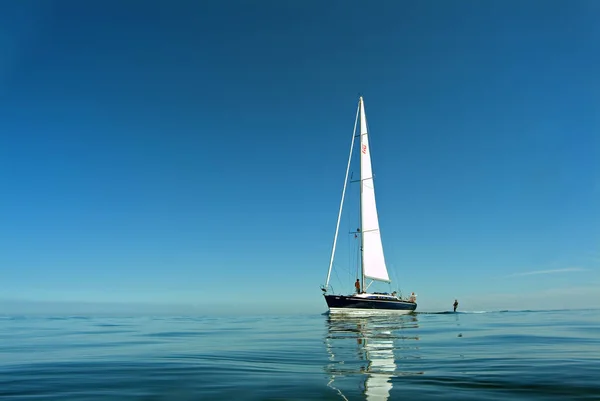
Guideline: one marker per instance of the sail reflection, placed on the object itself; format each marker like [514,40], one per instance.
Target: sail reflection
[373,349]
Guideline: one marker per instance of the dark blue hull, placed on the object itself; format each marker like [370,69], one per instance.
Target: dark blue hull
[341,303]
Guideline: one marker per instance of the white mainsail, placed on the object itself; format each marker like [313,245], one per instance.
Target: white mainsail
[372,255]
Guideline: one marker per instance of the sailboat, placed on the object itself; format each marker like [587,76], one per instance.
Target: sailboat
[372,259]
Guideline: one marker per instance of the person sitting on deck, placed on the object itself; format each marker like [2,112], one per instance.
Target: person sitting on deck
[357,286]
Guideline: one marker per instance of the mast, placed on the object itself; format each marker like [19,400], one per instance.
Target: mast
[362,232]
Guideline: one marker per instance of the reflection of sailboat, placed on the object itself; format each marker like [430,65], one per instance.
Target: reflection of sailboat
[381,368]
[372,259]
[377,340]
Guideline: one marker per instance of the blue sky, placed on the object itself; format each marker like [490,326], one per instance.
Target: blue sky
[193,154]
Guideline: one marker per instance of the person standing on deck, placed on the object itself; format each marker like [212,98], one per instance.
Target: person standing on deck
[357,286]
[455,305]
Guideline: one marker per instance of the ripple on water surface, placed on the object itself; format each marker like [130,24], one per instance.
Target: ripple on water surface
[468,356]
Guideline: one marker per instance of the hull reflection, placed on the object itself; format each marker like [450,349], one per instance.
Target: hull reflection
[372,349]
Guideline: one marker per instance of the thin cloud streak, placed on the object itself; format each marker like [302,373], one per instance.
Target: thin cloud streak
[552,271]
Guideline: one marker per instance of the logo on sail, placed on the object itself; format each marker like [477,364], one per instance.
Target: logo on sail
[364,149]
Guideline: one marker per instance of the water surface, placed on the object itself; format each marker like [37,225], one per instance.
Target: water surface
[551,355]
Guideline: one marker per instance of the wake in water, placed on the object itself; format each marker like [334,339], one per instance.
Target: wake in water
[463,312]
[449,312]
[366,311]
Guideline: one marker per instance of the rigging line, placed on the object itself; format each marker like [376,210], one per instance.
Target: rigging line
[349,244]
[336,389]
[356,260]
[338,277]
[398,288]
[337,227]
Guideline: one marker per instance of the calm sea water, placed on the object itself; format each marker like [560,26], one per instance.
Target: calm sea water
[464,356]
